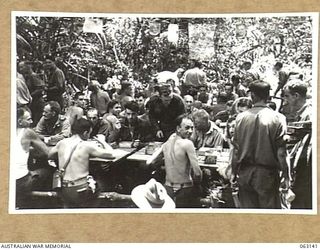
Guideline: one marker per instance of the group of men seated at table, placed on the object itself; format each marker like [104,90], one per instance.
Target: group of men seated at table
[64,136]
[166,117]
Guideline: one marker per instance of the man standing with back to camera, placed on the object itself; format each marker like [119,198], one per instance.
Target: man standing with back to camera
[260,152]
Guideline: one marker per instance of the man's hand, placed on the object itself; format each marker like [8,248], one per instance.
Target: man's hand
[159,134]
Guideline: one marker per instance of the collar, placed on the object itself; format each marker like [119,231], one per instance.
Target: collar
[213,127]
[302,109]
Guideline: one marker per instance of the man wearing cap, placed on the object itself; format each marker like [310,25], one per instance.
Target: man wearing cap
[260,152]
[164,110]
[183,174]
[56,82]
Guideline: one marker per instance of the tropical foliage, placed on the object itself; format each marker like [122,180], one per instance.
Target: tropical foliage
[130,45]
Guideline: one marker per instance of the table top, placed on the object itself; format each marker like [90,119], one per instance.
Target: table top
[141,156]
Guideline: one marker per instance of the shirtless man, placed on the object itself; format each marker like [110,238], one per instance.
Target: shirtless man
[25,140]
[76,111]
[77,191]
[181,165]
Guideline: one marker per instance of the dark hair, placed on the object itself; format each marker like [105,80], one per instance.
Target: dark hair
[134,106]
[279,65]
[241,102]
[297,87]
[179,119]
[111,104]
[54,106]
[260,89]
[197,64]
[247,63]
[230,119]
[139,94]
[21,111]
[235,79]
[76,95]
[80,126]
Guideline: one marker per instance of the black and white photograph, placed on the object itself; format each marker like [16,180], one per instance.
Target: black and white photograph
[156,113]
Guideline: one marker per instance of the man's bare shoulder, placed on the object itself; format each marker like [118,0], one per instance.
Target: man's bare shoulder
[30,134]
[185,143]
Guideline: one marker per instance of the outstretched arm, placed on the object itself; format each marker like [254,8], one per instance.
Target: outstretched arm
[105,153]
[156,157]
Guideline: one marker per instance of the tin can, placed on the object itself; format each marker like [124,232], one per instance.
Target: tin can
[150,148]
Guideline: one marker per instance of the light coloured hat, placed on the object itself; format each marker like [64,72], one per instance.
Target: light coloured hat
[152,195]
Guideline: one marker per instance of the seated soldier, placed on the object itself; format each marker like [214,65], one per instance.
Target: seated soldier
[99,125]
[78,188]
[206,132]
[134,127]
[25,140]
[53,126]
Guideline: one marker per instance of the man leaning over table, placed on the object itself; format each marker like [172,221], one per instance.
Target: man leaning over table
[78,188]
[206,132]
[53,126]
[183,174]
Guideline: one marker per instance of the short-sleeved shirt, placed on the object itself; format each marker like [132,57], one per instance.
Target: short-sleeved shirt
[60,130]
[212,138]
[258,134]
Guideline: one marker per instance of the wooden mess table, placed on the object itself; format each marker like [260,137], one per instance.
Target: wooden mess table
[132,171]
[220,157]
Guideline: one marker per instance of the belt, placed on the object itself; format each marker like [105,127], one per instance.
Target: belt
[179,185]
[67,183]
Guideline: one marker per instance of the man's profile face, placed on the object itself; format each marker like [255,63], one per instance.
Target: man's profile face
[289,98]
[185,129]
[131,115]
[25,121]
[48,113]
